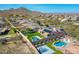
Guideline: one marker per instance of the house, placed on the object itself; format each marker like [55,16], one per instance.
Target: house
[35,29]
[44,34]
[63,31]
[56,35]
[47,30]
[4,31]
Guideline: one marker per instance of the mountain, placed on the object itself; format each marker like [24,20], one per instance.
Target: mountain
[22,11]
[35,14]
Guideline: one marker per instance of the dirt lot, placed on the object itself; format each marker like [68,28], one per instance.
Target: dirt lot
[14,47]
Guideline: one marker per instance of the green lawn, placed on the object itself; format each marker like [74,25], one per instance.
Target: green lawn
[30,34]
[33,34]
[52,47]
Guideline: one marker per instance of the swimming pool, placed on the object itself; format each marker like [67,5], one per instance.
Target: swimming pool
[45,50]
[35,38]
[59,44]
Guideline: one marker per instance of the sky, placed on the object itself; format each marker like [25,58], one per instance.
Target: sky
[45,8]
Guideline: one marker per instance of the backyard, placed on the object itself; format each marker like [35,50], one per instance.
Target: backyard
[30,34]
[52,47]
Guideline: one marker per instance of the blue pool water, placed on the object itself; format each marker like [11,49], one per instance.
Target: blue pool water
[59,44]
[35,38]
[45,50]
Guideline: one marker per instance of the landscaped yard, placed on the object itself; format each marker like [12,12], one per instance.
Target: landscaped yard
[52,47]
[30,34]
